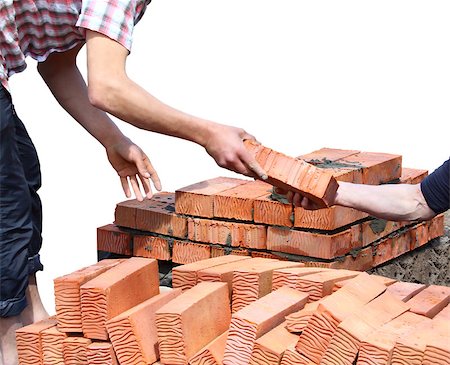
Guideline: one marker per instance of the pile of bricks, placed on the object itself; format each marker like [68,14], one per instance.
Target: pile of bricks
[238,310]
[226,215]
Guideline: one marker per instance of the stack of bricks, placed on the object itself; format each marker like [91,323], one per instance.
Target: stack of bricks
[113,313]
[226,215]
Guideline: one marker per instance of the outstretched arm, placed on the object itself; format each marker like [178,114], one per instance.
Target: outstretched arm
[63,78]
[398,202]
[111,90]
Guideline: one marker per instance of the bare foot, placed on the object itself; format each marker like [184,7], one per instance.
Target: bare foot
[35,311]
[8,327]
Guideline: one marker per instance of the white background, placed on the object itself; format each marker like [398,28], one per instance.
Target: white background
[299,75]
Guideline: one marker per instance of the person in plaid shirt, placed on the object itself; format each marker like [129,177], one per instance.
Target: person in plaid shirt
[52,32]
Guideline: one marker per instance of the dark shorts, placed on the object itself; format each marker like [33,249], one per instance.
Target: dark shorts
[20,209]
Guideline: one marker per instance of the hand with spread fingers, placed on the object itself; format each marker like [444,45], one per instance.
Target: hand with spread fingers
[134,168]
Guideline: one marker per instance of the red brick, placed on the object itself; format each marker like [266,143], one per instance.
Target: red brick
[125,213]
[346,340]
[332,310]
[273,209]
[292,357]
[326,246]
[227,233]
[237,203]
[198,199]
[430,301]
[412,176]
[101,353]
[133,333]
[157,215]
[75,350]
[254,280]
[111,238]
[377,347]
[52,346]
[180,317]
[320,284]
[68,296]
[153,247]
[28,341]
[289,173]
[186,276]
[212,353]
[404,290]
[270,347]
[225,272]
[290,276]
[188,252]
[326,154]
[102,297]
[358,259]
[222,251]
[296,322]
[256,319]
[327,219]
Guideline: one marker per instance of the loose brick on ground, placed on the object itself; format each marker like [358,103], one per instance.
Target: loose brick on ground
[296,322]
[75,350]
[345,342]
[378,346]
[256,319]
[251,282]
[212,353]
[270,347]
[225,272]
[101,353]
[116,290]
[28,341]
[52,346]
[181,333]
[405,290]
[292,357]
[332,310]
[133,333]
[68,296]
[290,276]
[186,276]
[430,300]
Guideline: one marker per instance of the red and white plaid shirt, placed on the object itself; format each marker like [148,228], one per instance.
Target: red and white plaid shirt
[37,28]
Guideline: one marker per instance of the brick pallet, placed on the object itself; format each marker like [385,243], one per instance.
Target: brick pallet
[303,315]
[225,215]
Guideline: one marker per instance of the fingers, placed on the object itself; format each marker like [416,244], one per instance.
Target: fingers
[147,171]
[135,185]
[253,165]
[125,186]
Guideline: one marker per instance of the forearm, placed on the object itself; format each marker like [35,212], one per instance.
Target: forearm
[111,90]
[64,80]
[128,101]
[400,202]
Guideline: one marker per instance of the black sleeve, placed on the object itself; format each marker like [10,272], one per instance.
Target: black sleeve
[436,188]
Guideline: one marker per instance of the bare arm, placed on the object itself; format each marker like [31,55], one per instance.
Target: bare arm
[63,78]
[398,202]
[111,90]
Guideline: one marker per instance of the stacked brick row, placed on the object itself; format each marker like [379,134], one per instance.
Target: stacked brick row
[245,217]
[238,310]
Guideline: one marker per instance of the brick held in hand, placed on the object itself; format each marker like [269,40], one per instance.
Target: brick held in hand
[292,174]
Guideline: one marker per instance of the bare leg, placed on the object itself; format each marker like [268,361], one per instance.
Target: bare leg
[8,327]
[35,311]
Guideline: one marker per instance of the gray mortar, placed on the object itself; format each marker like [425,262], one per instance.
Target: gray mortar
[429,264]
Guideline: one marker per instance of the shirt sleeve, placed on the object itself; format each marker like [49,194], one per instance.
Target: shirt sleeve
[113,18]
[436,188]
